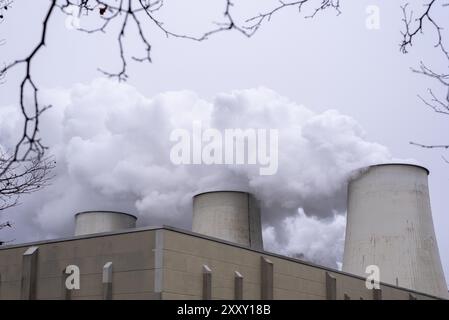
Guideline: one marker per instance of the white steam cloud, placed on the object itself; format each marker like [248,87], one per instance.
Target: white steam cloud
[112,149]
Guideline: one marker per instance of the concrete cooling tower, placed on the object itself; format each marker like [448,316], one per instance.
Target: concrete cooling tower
[229,215]
[389,224]
[89,222]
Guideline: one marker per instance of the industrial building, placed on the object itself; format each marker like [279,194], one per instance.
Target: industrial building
[389,225]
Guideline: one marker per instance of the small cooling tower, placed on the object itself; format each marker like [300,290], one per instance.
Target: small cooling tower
[229,215]
[88,222]
[389,224]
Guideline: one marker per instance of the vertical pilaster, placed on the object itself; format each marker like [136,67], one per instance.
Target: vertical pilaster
[29,274]
[238,286]
[158,261]
[266,284]
[331,287]
[377,294]
[107,281]
[207,283]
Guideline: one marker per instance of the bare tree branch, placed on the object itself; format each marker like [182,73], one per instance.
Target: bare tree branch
[5,5]
[123,11]
[26,169]
[256,21]
[413,28]
[5,224]
[23,178]
[29,145]
[441,146]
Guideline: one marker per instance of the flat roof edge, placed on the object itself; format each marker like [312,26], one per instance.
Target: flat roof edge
[84,236]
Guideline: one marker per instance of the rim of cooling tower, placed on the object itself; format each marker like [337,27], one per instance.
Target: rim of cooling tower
[106,211]
[397,164]
[219,191]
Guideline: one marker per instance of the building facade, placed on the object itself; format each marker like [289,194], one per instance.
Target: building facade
[169,263]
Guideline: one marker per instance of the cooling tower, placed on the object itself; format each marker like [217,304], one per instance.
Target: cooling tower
[229,215]
[88,222]
[389,224]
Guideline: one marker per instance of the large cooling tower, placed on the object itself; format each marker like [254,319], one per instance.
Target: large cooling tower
[389,224]
[88,222]
[229,215]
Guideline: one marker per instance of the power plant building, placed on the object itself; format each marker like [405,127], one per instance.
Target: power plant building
[223,257]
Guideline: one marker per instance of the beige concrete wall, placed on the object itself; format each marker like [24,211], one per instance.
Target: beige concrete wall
[171,262]
[184,255]
[10,272]
[131,254]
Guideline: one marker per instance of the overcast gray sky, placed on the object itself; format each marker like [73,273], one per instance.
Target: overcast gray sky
[328,62]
